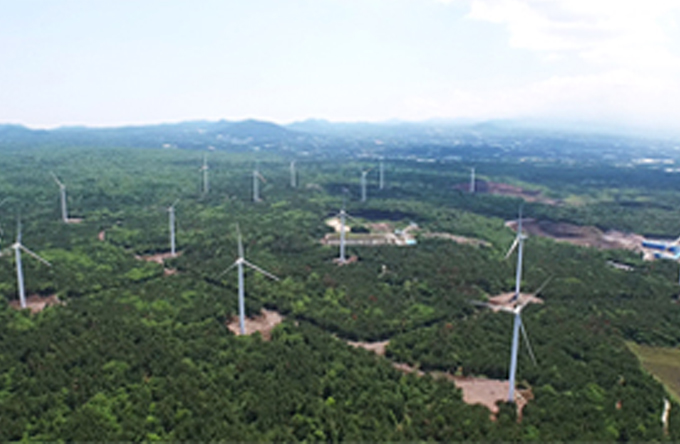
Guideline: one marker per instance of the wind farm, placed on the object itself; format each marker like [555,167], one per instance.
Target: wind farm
[144,273]
[340,221]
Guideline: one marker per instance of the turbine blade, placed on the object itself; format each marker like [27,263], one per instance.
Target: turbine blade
[526,339]
[347,215]
[54,176]
[543,285]
[35,255]
[240,242]
[261,177]
[481,304]
[18,231]
[264,272]
[226,270]
[174,203]
[512,247]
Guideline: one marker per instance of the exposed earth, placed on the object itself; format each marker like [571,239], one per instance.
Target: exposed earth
[577,235]
[36,303]
[504,189]
[458,239]
[264,323]
[486,392]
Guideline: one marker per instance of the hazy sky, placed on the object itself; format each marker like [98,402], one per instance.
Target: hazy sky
[113,62]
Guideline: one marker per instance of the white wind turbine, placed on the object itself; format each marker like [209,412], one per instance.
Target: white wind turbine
[62,191]
[17,247]
[239,263]
[293,176]
[363,184]
[472,180]
[204,169]
[171,213]
[517,311]
[343,215]
[382,174]
[256,185]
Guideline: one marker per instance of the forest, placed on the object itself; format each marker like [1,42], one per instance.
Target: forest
[134,353]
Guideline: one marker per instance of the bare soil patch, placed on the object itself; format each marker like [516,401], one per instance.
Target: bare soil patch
[578,235]
[336,224]
[74,220]
[505,300]
[458,239]
[264,323]
[486,392]
[350,260]
[504,189]
[381,227]
[36,303]
[157,258]
[375,347]
[102,235]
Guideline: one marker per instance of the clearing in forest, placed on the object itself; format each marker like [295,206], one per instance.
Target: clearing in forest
[382,233]
[663,363]
[505,300]
[486,392]
[578,235]
[36,303]
[264,323]
[504,189]
[458,239]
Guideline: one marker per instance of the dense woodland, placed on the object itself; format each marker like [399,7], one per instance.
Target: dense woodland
[135,355]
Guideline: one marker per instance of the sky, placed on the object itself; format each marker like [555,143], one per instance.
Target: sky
[122,62]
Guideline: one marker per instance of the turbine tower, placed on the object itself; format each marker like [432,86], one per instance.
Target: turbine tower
[293,177]
[17,246]
[517,326]
[382,175]
[519,244]
[256,185]
[363,184]
[171,213]
[205,168]
[239,263]
[343,216]
[62,191]
[472,180]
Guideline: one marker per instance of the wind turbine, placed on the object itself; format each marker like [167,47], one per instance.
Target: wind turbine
[343,215]
[517,326]
[293,177]
[382,174]
[519,244]
[239,263]
[17,246]
[472,180]
[205,168]
[256,185]
[171,212]
[62,191]
[363,184]
[517,309]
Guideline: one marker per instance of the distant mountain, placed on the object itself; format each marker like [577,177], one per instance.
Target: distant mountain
[197,134]
[448,140]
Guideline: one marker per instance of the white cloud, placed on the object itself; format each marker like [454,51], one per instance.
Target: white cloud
[613,33]
[614,96]
[612,61]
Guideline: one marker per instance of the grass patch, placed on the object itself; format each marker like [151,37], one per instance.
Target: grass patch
[663,363]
